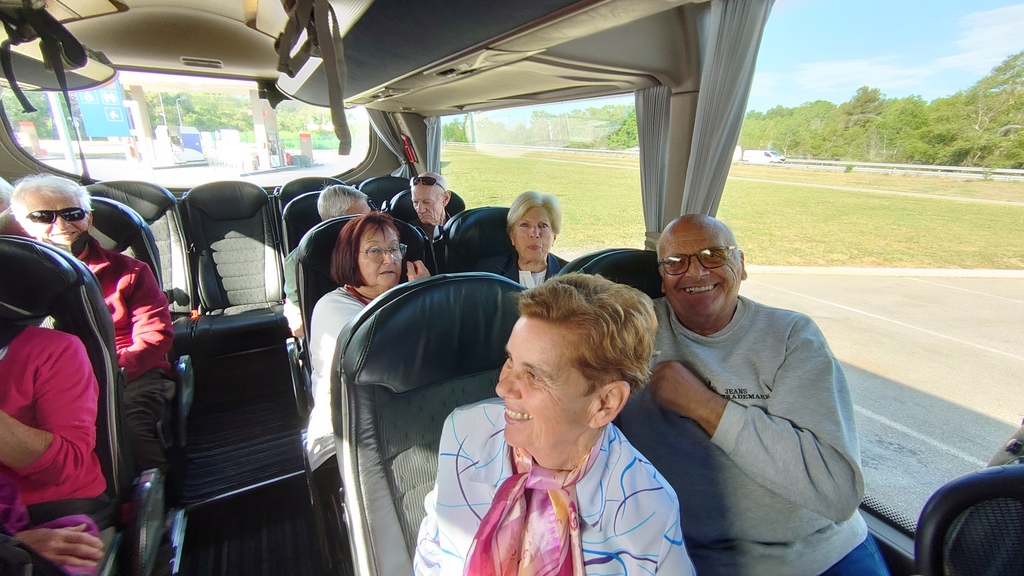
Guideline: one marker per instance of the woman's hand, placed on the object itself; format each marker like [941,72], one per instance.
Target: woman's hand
[66,546]
[416,270]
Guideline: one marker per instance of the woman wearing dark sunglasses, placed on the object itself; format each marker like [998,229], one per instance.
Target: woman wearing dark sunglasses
[58,211]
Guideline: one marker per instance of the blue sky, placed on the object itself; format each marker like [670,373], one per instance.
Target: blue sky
[826,49]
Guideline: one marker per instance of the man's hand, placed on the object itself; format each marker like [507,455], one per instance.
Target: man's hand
[299,331]
[674,387]
[66,546]
[416,270]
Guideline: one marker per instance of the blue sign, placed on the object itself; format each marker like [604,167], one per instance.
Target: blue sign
[103,112]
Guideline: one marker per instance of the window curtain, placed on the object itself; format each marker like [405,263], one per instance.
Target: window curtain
[652,123]
[433,143]
[729,53]
[384,128]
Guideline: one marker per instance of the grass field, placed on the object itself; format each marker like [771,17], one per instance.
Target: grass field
[778,218]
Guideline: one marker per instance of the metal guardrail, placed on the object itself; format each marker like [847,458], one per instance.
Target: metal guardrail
[966,172]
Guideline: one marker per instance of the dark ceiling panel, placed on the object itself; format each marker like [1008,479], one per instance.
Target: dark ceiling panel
[395,37]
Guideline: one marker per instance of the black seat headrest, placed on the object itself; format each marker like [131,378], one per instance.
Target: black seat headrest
[149,200]
[119,228]
[476,234]
[433,330]
[636,268]
[299,216]
[382,188]
[227,200]
[300,186]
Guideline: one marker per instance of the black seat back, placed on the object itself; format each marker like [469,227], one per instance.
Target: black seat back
[401,206]
[232,227]
[55,284]
[117,227]
[974,525]
[636,268]
[295,188]
[299,216]
[382,188]
[159,208]
[314,259]
[575,265]
[475,234]
[389,408]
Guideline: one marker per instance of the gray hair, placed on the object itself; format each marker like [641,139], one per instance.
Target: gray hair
[531,199]
[52,186]
[5,194]
[335,200]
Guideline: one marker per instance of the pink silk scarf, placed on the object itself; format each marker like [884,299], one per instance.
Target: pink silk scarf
[532,527]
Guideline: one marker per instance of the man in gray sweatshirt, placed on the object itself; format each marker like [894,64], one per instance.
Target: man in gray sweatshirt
[749,417]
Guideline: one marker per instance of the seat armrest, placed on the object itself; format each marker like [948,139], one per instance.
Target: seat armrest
[144,527]
[184,377]
[301,381]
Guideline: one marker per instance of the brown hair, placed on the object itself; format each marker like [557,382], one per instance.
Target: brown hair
[345,258]
[612,326]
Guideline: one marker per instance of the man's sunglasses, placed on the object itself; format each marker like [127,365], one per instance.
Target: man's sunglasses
[428,180]
[50,216]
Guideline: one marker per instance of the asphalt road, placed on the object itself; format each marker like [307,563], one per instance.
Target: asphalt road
[935,365]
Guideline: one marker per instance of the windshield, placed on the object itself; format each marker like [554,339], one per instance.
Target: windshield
[180,131]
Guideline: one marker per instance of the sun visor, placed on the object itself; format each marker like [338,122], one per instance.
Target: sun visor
[309,84]
[31,73]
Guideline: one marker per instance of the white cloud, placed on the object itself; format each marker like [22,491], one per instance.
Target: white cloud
[988,38]
[845,76]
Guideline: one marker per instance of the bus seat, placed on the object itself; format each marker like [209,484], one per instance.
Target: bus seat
[475,234]
[974,525]
[117,227]
[629,266]
[56,285]
[381,189]
[159,208]
[575,265]
[299,216]
[299,186]
[232,227]
[401,207]
[412,356]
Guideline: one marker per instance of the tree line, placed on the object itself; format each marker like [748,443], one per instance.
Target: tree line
[978,126]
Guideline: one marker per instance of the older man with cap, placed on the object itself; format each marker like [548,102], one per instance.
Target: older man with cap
[750,419]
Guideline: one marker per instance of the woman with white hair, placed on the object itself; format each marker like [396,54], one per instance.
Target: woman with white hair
[533,223]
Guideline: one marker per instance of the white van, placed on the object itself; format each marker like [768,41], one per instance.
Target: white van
[763,157]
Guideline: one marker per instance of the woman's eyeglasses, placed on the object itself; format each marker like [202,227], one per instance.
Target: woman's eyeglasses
[428,180]
[376,254]
[50,216]
[714,257]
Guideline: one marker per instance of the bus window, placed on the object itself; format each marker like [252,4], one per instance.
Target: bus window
[584,152]
[179,131]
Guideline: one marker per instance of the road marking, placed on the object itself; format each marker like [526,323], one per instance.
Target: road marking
[901,428]
[966,290]
[889,192]
[897,322]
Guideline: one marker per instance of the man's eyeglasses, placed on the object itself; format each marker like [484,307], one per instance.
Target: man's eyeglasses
[376,254]
[50,216]
[428,180]
[714,257]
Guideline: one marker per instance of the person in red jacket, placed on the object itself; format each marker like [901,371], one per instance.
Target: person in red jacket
[57,211]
